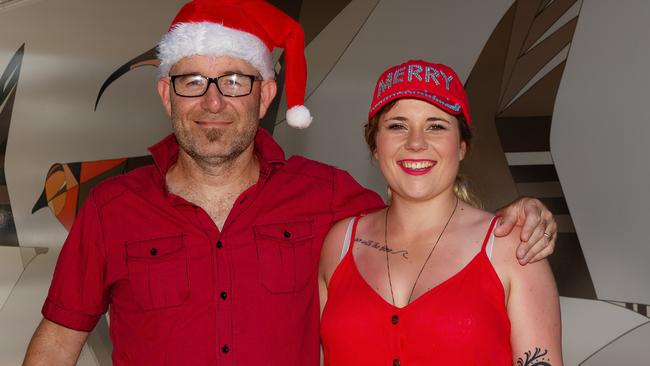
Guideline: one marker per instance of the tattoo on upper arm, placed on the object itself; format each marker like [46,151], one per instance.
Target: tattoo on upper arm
[534,359]
[381,247]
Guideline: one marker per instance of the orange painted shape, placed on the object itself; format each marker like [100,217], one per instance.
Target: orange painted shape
[70,179]
[92,169]
[68,211]
[57,203]
[54,183]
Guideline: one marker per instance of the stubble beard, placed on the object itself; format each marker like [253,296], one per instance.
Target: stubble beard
[235,143]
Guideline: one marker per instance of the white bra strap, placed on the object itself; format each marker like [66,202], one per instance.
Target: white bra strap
[489,245]
[347,239]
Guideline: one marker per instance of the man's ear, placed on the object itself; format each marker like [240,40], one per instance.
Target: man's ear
[268,89]
[164,89]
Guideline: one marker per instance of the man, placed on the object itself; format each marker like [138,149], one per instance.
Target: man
[209,256]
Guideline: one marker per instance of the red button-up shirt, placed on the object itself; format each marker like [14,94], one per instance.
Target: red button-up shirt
[181,292]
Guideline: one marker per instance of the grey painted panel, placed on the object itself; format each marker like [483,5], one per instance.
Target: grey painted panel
[630,349]
[599,142]
[589,325]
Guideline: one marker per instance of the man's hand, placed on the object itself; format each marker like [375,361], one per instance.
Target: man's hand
[538,232]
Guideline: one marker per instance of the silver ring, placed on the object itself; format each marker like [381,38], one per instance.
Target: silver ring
[547,235]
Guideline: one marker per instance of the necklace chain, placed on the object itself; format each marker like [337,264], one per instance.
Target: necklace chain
[435,244]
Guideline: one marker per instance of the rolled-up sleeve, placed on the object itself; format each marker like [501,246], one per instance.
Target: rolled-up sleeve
[78,293]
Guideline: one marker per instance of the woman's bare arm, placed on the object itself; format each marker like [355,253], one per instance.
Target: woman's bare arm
[533,307]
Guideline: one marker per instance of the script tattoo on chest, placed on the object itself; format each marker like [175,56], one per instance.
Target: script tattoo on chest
[534,359]
[381,247]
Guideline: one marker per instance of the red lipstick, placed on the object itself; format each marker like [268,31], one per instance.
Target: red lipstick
[416,167]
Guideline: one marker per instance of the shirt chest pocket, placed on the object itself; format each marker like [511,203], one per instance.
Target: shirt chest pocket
[158,272]
[284,253]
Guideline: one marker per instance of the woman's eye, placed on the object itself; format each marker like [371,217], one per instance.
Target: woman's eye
[396,126]
[437,126]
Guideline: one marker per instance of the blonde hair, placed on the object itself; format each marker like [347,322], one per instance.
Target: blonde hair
[464,193]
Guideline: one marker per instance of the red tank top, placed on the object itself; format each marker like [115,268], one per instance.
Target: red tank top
[462,321]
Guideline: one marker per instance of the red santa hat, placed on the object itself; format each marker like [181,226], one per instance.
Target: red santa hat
[244,29]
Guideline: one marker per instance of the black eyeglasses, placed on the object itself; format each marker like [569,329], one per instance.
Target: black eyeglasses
[229,85]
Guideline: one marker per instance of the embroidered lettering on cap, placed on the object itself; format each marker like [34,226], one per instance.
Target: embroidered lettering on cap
[448,79]
[432,73]
[414,70]
[385,86]
[397,76]
[455,107]
[435,83]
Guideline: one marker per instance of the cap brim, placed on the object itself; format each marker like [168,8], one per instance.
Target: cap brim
[447,105]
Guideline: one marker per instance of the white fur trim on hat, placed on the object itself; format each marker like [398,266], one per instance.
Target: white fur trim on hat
[299,117]
[211,39]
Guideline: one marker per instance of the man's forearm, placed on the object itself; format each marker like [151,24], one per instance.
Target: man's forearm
[53,344]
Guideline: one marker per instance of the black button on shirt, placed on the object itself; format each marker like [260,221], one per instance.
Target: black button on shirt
[225,349]
[224,295]
[219,245]
[394,319]
[396,362]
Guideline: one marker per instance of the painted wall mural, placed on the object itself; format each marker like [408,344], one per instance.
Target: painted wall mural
[9,84]
[68,184]
[79,115]
[531,50]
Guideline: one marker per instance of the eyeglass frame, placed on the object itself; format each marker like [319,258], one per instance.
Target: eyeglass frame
[215,81]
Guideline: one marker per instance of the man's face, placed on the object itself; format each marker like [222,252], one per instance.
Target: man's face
[214,129]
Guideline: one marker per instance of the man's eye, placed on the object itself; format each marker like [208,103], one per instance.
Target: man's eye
[195,81]
[231,82]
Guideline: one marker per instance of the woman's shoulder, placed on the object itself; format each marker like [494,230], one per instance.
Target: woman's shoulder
[332,246]
[481,224]
[336,234]
[474,220]
[505,262]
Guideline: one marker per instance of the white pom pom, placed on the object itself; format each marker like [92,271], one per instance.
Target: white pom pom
[299,117]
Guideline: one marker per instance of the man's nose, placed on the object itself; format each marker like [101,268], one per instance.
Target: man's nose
[212,100]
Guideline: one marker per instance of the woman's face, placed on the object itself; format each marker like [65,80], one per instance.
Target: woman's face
[418,149]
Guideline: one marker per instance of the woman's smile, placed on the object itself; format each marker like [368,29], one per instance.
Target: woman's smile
[416,166]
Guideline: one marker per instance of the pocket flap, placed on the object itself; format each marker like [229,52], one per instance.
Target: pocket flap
[154,248]
[287,231]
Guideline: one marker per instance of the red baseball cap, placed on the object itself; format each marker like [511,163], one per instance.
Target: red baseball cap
[437,84]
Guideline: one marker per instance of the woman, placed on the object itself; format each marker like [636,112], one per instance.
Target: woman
[424,281]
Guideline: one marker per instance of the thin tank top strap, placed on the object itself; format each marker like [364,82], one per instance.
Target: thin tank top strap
[348,241]
[488,242]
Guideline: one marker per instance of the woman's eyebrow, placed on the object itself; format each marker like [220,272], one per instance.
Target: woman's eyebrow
[437,119]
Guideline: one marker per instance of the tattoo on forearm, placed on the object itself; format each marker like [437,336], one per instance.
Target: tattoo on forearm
[381,247]
[534,359]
